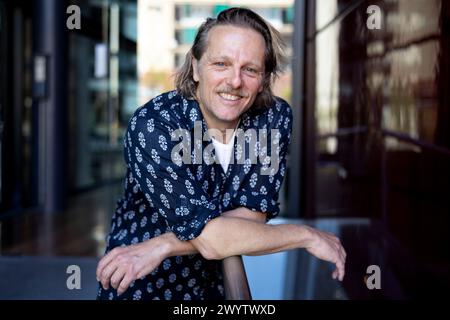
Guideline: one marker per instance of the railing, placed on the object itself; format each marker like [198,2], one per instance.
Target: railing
[235,279]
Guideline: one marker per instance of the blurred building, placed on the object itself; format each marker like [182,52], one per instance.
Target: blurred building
[66,95]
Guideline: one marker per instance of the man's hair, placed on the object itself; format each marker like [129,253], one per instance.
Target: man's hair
[275,58]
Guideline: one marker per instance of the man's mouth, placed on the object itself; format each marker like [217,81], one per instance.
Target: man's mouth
[230,97]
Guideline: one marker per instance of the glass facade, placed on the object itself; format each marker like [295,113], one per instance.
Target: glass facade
[379,105]
[105,61]
[16,107]
[88,106]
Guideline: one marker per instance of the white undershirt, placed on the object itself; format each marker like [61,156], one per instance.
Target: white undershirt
[224,151]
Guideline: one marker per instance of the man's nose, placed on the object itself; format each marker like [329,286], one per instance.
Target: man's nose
[235,78]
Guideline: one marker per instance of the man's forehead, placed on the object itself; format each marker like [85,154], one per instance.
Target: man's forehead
[217,47]
[220,56]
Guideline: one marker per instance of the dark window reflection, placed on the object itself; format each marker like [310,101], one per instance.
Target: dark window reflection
[381,107]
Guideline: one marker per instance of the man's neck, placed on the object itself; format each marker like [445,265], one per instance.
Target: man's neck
[219,129]
[222,133]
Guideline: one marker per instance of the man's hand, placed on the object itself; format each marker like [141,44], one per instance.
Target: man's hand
[122,265]
[328,247]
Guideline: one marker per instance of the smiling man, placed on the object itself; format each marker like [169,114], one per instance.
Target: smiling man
[229,77]
[177,219]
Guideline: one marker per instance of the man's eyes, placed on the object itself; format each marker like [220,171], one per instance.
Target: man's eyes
[219,64]
[251,70]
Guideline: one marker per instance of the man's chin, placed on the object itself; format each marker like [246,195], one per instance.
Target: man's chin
[228,117]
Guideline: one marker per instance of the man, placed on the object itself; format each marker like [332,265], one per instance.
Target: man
[178,219]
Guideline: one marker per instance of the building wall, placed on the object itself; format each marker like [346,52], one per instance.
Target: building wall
[380,109]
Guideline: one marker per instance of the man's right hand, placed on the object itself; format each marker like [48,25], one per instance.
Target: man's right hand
[122,265]
[328,247]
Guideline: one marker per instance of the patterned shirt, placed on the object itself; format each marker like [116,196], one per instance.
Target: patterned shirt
[166,193]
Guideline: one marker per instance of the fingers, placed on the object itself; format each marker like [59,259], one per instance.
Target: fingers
[109,264]
[342,251]
[125,283]
[117,277]
[118,268]
[340,264]
[328,247]
[334,275]
[106,274]
[341,270]
[105,261]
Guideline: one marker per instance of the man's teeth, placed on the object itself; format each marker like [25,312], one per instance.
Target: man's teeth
[229,96]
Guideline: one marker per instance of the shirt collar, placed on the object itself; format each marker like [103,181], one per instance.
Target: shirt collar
[192,112]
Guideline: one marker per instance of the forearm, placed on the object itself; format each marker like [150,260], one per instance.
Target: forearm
[228,236]
[176,247]
[233,234]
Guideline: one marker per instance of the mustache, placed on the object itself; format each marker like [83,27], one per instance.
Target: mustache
[233,92]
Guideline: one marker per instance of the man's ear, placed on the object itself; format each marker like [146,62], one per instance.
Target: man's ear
[195,70]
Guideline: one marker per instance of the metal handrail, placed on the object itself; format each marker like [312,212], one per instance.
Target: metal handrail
[235,279]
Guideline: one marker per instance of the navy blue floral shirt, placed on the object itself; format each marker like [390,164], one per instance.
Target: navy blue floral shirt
[163,193]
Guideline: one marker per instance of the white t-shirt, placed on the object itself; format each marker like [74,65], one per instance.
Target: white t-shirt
[224,151]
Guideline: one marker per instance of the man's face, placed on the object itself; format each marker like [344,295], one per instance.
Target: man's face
[229,74]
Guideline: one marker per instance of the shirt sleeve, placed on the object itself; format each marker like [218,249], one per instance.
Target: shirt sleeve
[168,184]
[261,184]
